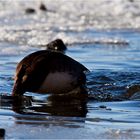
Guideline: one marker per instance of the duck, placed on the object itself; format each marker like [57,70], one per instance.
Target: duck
[47,71]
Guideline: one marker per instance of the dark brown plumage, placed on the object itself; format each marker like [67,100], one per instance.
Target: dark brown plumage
[46,71]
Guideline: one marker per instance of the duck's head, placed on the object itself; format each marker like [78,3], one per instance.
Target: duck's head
[57,45]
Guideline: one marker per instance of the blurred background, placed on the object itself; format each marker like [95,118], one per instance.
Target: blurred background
[25,22]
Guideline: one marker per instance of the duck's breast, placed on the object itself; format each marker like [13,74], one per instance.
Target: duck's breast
[58,82]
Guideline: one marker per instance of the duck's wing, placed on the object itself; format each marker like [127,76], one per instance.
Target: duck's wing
[60,62]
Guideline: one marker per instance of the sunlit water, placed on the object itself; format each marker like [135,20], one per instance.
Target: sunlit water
[111,54]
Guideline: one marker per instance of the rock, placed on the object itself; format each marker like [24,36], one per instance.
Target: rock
[30,11]
[43,7]
[2,133]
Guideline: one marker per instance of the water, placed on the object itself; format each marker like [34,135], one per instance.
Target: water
[107,43]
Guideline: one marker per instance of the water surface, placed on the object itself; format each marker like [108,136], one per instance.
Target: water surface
[109,49]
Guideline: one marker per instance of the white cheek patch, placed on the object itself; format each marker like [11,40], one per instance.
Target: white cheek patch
[58,82]
[24,78]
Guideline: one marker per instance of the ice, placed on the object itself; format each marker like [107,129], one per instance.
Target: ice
[62,131]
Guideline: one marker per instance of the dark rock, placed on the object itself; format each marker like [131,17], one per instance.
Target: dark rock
[102,106]
[43,7]
[2,133]
[132,90]
[30,11]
